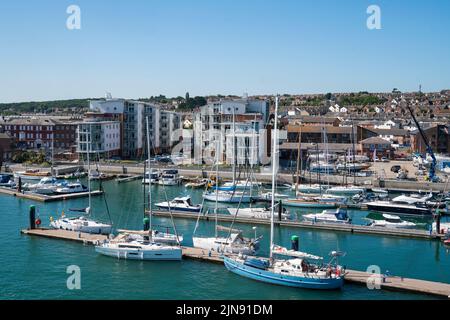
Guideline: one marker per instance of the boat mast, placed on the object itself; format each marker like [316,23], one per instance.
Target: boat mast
[89,167]
[149,178]
[274,171]
[234,149]
[217,184]
[353,152]
[298,159]
[53,154]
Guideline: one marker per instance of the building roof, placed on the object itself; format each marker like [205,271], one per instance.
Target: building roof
[375,140]
[319,129]
[332,147]
[392,131]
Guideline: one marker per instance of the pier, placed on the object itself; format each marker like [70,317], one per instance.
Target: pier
[393,283]
[47,198]
[348,228]
[124,179]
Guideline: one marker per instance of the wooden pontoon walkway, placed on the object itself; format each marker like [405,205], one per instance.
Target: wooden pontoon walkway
[47,198]
[350,228]
[358,277]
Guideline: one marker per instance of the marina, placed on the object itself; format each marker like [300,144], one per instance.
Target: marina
[395,283]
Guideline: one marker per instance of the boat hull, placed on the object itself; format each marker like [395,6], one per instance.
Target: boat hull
[179,209]
[401,210]
[277,279]
[137,254]
[304,204]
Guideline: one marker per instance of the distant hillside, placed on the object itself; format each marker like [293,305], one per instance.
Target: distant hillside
[62,106]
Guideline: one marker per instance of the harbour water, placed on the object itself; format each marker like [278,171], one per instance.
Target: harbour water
[35,268]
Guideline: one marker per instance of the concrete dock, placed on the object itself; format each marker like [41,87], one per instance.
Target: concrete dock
[85,238]
[47,198]
[348,228]
[393,283]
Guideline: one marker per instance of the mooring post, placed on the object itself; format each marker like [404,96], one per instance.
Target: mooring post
[32,217]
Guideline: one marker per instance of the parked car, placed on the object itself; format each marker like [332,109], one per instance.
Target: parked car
[384,159]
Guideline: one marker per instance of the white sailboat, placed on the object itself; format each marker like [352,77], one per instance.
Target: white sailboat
[141,245]
[299,270]
[234,242]
[392,221]
[82,223]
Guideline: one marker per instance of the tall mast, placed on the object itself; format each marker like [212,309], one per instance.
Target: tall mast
[234,150]
[217,183]
[299,150]
[89,166]
[274,171]
[53,153]
[149,177]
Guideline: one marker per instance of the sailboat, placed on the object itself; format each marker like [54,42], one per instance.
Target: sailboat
[140,245]
[234,242]
[295,268]
[82,223]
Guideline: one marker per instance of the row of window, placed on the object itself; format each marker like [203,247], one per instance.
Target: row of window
[36,128]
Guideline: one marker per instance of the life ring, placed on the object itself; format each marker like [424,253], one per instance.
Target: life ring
[38,222]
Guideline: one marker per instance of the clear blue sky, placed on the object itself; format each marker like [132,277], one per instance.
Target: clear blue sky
[140,48]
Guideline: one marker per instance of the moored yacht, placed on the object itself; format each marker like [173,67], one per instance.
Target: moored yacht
[338,216]
[227,196]
[80,224]
[405,205]
[391,221]
[181,204]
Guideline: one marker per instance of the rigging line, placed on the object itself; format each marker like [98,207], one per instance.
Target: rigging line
[203,199]
[167,200]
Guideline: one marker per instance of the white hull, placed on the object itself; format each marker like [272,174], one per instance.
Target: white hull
[152,253]
[85,226]
[228,197]
[261,213]
[221,244]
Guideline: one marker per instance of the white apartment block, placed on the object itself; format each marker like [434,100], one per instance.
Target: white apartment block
[218,123]
[99,137]
[164,126]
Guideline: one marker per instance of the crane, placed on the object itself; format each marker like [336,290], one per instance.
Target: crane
[432,171]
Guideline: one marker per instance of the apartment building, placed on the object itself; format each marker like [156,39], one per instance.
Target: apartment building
[41,132]
[163,125]
[99,138]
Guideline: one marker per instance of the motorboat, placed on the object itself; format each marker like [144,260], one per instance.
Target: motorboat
[47,185]
[151,177]
[128,248]
[169,178]
[392,221]
[70,188]
[227,196]
[181,204]
[322,167]
[267,196]
[7,180]
[404,205]
[345,190]
[80,224]
[260,213]
[338,216]
[323,201]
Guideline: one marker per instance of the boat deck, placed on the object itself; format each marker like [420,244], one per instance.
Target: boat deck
[348,228]
[47,198]
[394,283]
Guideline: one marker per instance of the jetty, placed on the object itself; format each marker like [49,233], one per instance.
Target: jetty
[377,281]
[128,178]
[348,228]
[47,198]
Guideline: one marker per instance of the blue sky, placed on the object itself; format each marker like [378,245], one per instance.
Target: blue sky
[140,48]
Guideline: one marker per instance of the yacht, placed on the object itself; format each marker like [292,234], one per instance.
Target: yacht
[169,178]
[345,190]
[322,167]
[227,196]
[7,180]
[71,188]
[391,221]
[234,244]
[405,205]
[338,216]
[181,204]
[46,185]
[80,224]
[31,174]
[309,189]
[151,177]
[260,213]
[126,247]
[157,236]
[240,185]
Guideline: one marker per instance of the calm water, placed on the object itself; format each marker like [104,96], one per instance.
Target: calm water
[35,268]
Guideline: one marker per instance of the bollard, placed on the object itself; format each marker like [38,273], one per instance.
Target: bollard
[32,217]
[294,243]
[146,221]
